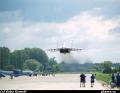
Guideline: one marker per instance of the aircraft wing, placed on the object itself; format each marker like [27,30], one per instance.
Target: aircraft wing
[2,75]
[27,72]
[76,49]
[53,50]
[6,72]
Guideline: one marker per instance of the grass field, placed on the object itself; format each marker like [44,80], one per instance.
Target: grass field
[103,77]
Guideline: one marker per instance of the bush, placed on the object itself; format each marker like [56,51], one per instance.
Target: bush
[9,67]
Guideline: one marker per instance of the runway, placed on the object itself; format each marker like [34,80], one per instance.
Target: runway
[59,82]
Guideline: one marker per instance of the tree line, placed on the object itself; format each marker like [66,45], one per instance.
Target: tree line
[36,59]
[107,67]
[27,58]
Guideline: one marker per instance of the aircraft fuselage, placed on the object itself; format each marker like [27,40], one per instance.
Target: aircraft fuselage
[64,50]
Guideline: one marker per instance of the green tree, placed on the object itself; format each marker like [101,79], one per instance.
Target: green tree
[4,57]
[17,58]
[107,67]
[37,54]
[98,67]
[31,64]
[117,68]
[53,65]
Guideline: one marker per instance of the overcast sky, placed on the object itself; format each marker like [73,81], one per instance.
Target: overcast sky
[93,25]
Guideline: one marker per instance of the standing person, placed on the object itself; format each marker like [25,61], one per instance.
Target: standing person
[118,79]
[11,76]
[35,74]
[92,80]
[82,80]
[113,78]
[113,82]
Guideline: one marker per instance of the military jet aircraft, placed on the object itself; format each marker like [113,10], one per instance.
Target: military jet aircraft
[64,49]
[16,73]
[2,75]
